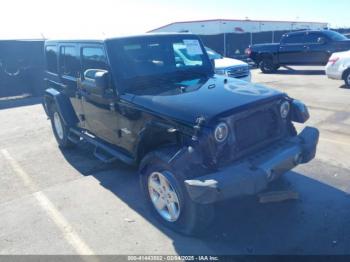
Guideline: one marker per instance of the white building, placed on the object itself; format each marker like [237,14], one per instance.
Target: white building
[222,26]
[217,33]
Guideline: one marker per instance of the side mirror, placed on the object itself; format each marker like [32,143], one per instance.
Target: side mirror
[101,79]
[321,40]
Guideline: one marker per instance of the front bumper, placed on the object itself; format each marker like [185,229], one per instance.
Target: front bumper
[253,175]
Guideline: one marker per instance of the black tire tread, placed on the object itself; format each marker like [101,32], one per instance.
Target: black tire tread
[65,142]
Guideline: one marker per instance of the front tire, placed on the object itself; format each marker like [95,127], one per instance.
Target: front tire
[168,200]
[267,66]
[59,128]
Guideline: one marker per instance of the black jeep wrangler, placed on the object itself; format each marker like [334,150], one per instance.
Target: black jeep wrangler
[197,137]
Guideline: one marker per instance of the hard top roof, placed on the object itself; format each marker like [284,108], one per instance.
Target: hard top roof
[306,31]
[101,40]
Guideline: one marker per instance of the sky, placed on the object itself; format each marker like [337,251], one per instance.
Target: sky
[98,18]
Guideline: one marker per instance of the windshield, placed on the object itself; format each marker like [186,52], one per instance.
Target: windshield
[212,54]
[157,57]
[335,36]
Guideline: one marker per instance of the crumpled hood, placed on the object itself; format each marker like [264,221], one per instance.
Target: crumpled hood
[212,98]
[228,62]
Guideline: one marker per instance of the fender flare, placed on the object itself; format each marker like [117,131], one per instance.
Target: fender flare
[266,55]
[64,106]
[144,146]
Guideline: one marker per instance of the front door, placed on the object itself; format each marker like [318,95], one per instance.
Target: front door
[317,49]
[99,109]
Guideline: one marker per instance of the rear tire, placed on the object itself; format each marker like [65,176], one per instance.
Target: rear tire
[267,66]
[347,79]
[59,128]
[190,218]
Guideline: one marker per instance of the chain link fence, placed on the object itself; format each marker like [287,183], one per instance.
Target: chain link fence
[21,67]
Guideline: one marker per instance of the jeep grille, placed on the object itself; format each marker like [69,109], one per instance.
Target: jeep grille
[252,130]
[256,128]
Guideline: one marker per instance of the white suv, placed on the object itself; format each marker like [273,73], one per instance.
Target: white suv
[338,67]
[223,65]
[230,67]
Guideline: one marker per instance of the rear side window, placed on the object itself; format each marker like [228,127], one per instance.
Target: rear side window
[51,58]
[312,38]
[69,61]
[93,58]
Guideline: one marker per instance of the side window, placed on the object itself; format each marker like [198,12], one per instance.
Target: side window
[93,58]
[294,39]
[69,61]
[312,38]
[51,58]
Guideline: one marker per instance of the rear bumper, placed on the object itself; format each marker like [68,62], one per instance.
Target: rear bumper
[334,75]
[334,72]
[253,175]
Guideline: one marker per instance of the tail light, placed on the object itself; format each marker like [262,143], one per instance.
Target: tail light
[333,60]
[248,51]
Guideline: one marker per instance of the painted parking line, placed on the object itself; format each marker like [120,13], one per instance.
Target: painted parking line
[44,202]
[335,141]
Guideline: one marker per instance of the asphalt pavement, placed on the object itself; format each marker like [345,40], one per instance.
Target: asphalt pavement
[56,201]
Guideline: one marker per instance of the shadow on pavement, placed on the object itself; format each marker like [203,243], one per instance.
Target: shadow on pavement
[292,71]
[6,103]
[317,223]
[344,87]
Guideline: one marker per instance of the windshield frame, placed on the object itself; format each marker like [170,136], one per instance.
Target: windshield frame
[115,54]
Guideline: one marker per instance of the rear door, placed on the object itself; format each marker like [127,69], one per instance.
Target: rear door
[293,50]
[69,73]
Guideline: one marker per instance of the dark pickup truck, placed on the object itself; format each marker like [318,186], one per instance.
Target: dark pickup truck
[298,48]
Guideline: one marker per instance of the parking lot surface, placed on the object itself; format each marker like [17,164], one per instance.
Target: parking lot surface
[67,202]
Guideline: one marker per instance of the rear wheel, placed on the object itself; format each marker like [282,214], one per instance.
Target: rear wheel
[347,78]
[168,199]
[60,130]
[267,66]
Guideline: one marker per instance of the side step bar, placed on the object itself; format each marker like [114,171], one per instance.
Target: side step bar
[100,146]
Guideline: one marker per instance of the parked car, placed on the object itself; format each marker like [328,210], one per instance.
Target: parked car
[298,48]
[223,65]
[338,67]
[198,138]
[229,67]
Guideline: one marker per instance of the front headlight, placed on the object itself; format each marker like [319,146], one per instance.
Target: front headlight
[299,112]
[220,71]
[284,109]
[221,132]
